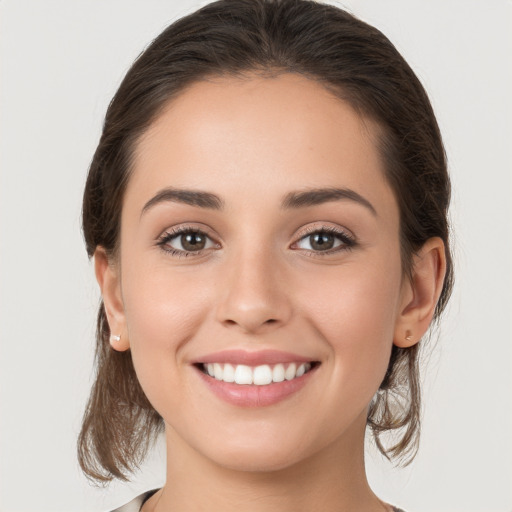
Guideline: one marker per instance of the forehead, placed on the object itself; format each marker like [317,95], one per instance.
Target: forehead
[258,136]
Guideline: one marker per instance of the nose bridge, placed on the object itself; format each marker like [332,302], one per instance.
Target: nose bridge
[254,295]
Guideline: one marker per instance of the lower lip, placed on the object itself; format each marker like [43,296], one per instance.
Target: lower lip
[250,395]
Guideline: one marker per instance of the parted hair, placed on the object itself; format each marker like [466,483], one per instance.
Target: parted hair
[359,65]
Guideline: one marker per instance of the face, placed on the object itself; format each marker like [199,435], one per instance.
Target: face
[258,232]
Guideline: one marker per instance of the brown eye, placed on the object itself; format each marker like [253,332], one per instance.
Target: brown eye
[322,241]
[326,240]
[185,241]
[193,241]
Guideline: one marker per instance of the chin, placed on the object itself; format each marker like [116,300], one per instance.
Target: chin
[261,461]
[258,452]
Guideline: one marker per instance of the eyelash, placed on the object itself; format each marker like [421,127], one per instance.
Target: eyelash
[348,242]
[167,236]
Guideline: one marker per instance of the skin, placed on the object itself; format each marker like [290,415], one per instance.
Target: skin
[260,285]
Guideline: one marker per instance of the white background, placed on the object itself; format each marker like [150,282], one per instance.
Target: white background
[61,62]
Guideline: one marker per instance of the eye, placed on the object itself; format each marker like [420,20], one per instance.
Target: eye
[325,239]
[185,241]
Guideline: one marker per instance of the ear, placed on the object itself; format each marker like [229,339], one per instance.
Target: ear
[109,279]
[420,294]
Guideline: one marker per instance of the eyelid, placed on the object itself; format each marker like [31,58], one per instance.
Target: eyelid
[344,235]
[325,228]
[176,232]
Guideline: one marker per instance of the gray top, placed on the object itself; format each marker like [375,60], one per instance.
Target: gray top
[136,504]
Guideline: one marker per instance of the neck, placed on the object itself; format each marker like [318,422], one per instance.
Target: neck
[331,480]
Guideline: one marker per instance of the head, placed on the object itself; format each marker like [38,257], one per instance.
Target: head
[232,49]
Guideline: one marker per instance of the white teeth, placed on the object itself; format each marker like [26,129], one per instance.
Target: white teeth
[218,372]
[259,375]
[301,370]
[262,375]
[278,373]
[289,374]
[229,373]
[243,374]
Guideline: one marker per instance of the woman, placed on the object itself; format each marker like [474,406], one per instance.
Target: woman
[267,211]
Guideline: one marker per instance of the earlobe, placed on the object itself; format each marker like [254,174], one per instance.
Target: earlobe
[107,275]
[421,293]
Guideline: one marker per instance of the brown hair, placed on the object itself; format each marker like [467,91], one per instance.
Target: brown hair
[232,37]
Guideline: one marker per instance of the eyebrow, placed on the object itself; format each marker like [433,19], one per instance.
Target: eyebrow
[317,196]
[192,197]
[292,200]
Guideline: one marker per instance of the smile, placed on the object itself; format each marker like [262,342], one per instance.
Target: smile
[262,375]
[255,379]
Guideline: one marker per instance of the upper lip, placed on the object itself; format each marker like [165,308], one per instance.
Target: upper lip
[255,358]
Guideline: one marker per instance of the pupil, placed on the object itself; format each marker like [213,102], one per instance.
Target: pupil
[192,241]
[321,241]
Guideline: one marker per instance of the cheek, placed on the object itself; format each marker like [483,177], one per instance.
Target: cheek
[359,298]
[163,311]
[158,305]
[354,314]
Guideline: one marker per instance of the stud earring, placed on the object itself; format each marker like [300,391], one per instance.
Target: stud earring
[114,338]
[408,336]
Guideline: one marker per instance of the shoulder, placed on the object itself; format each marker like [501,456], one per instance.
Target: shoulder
[136,504]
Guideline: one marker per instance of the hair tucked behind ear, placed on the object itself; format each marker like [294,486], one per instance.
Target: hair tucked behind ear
[396,406]
[119,423]
[234,37]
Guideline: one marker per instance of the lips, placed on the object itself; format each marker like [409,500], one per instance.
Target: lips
[248,358]
[255,379]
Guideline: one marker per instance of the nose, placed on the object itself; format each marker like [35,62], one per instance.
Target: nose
[254,295]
